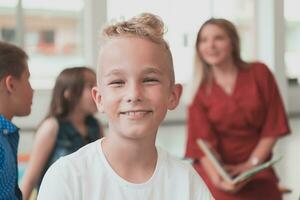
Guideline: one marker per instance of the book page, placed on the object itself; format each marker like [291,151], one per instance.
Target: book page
[224,174]
[214,160]
[255,170]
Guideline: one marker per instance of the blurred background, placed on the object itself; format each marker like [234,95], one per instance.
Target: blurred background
[64,33]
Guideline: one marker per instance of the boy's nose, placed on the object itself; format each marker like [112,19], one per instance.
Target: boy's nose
[134,94]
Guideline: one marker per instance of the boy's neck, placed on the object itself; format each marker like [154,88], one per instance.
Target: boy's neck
[5,113]
[135,161]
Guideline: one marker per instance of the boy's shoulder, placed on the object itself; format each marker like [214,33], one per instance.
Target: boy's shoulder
[79,161]
[175,167]
[86,153]
[183,176]
[173,161]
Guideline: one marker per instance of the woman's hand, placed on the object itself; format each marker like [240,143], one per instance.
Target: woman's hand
[210,170]
[235,170]
[231,188]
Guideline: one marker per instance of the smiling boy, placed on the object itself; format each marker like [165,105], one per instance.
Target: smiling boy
[136,88]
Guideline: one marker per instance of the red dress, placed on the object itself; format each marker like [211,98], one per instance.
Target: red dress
[233,124]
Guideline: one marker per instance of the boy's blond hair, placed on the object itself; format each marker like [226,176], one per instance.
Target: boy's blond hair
[145,25]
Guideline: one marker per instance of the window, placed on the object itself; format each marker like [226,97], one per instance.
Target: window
[8,20]
[52,35]
[8,34]
[53,38]
[47,37]
[241,13]
[292,34]
[53,31]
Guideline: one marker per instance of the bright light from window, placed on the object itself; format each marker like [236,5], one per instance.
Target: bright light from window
[241,13]
[53,38]
[291,10]
[8,3]
[292,54]
[8,20]
[67,5]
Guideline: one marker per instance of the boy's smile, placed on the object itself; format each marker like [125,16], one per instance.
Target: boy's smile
[136,114]
[135,88]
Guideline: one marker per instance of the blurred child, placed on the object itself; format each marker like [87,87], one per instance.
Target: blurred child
[15,100]
[68,126]
[136,87]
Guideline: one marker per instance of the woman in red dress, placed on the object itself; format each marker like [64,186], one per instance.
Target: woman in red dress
[237,109]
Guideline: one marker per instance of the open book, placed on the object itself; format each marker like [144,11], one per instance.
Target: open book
[223,173]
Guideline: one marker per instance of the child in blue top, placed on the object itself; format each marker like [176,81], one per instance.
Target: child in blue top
[15,100]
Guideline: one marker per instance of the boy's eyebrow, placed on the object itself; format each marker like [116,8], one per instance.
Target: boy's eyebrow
[113,72]
[149,70]
[154,70]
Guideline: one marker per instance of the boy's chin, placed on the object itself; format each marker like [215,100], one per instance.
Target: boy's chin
[24,113]
[137,134]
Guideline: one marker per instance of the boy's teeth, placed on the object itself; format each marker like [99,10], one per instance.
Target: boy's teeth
[134,113]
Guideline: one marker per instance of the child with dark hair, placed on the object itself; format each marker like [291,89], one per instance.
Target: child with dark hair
[68,126]
[15,100]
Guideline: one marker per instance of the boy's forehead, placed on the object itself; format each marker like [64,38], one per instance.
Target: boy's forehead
[135,45]
[116,71]
[127,51]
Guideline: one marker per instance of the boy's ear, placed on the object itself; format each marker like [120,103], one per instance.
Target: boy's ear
[9,83]
[97,99]
[175,96]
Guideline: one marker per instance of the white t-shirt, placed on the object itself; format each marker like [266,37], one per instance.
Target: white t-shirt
[87,175]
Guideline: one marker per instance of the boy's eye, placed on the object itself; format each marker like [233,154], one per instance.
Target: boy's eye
[116,83]
[150,80]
